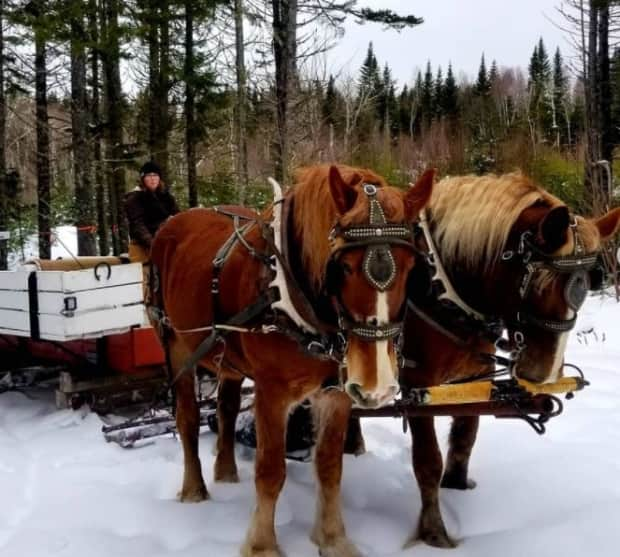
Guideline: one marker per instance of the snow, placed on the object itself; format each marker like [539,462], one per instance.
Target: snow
[64,244]
[66,492]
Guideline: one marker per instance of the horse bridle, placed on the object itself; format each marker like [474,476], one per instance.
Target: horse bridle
[579,266]
[379,266]
[585,273]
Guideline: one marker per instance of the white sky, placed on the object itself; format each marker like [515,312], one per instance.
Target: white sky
[453,30]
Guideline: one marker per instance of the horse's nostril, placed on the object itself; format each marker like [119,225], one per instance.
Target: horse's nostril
[355,392]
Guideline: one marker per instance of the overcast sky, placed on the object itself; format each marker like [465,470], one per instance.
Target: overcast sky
[453,30]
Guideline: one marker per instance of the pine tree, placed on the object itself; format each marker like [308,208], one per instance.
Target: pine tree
[539,68]
[450,94]
[493,75]
[482,85]
[540,91]
[369,72]
[438,94]
[329,104]
[426,96]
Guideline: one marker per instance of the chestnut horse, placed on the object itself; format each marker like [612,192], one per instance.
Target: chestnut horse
[350,254]
[514,255]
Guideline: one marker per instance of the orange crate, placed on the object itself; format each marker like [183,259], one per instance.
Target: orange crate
[136,349]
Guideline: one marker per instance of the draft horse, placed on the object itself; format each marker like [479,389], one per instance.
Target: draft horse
[341,275]
[504,254]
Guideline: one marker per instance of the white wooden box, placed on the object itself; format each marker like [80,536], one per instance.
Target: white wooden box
[70,305]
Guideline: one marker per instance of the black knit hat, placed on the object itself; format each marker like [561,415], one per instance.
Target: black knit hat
[150,168]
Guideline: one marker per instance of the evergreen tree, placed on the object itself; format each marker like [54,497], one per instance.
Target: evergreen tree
[438,94]
[426,95]
[450,94]
[369,73]
[404,100]
[540,89]
[539,68]
[329,104]
[482,85]
[493,75]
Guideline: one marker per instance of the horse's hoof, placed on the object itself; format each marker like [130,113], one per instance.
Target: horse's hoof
[437,538]
[193,495]
[226,475]
[247,551]
[342,547]
[227,478]
[454,482]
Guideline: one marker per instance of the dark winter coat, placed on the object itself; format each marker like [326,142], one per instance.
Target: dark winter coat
[146,211]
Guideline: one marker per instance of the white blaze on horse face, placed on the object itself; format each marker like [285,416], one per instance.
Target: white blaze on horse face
[387,386]
[558,357]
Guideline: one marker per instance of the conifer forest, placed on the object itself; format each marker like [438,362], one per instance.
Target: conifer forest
[224,93]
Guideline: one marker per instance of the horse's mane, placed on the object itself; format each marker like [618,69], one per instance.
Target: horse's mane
[315,212]
[473,215]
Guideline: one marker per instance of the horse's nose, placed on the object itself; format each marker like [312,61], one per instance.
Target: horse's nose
[366,399]
[354,390]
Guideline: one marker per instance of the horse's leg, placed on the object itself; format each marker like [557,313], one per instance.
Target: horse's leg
[332,410]
[188,426]
[228,403]
[427,466]
[462,438]
[354,441]
[271,407]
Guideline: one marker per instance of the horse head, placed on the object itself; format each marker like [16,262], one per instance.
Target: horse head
[371,255]
[551,261]
[517,255]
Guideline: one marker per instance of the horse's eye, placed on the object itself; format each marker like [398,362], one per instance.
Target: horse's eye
[347,268]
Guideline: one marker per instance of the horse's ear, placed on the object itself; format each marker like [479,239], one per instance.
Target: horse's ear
[342,192]
[419,194]
[553,229]
[608,225]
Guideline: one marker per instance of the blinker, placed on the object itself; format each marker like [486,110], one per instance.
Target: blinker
[576,289]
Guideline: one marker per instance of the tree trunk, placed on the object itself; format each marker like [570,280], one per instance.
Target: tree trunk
[114,120]
[284,49]
[241,112]
[43,144]
[607,132]
[190,106]
[591,85]
[153,44]
[84,209]
[3,192]
[99,175]
[164,86]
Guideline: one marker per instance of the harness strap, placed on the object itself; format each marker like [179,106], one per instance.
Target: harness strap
[552,325]
[253,310]
[301,299]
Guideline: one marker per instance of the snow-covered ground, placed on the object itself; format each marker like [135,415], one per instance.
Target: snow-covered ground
[65,492]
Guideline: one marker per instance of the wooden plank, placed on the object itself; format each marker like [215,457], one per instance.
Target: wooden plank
[76,281]
[15,320]
[14,280]
[14,299]
[90,324]
[91,300]
[70,382]
[14,332]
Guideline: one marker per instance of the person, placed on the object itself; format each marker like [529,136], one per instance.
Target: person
[147,207]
